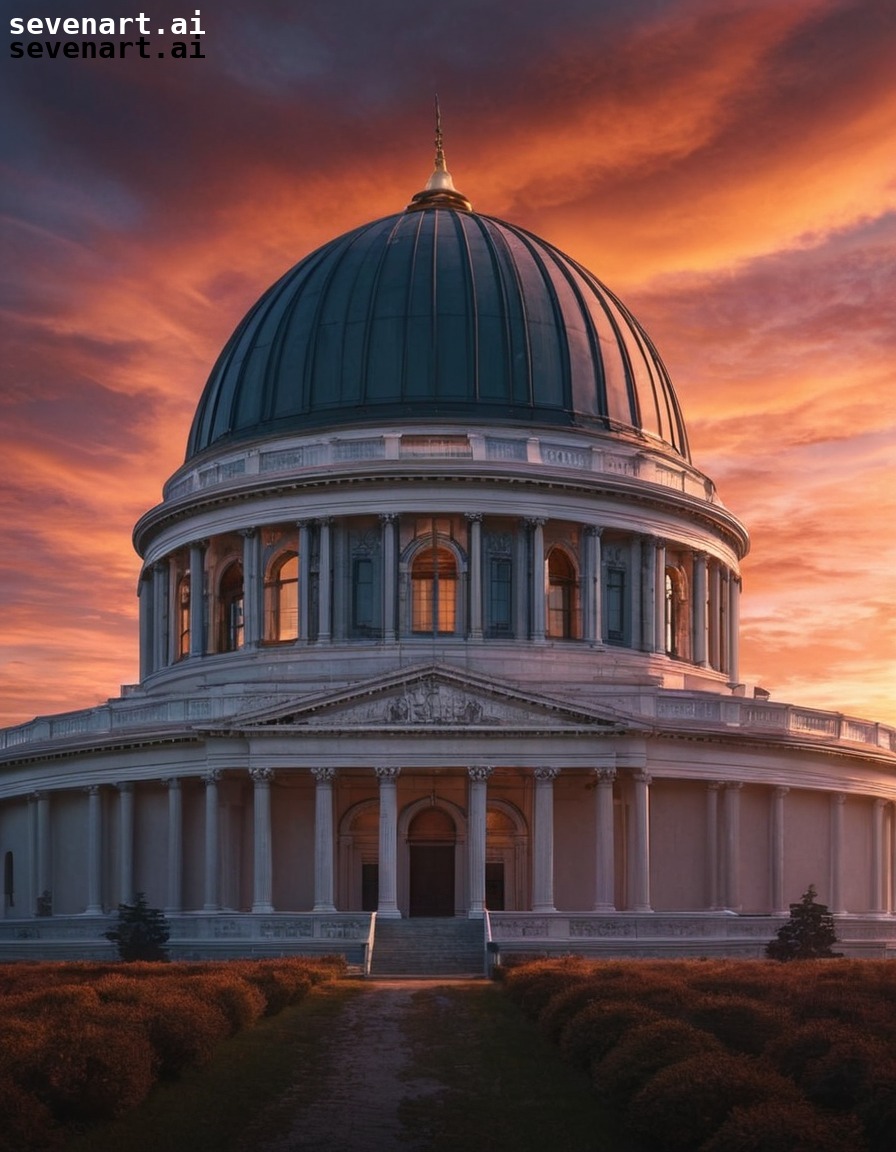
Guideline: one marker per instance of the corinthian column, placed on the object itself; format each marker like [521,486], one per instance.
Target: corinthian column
[712,845]
[197,599]
[538,583]
[592,614]
[323,839]
[543,870]
[475,521]
[262,878]
[126,891]
[700,594]
[212,843]
[324,581]
[877,854]
[777,839]
[388,867]
[94,851]
[390,577]
[838,800]
[478,802]
[175,845]
[252,588]
[605,880]
[160,577]
[641,863]
[145,602]
[732,846]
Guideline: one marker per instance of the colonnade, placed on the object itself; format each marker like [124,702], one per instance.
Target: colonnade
[611,786]
[641,592]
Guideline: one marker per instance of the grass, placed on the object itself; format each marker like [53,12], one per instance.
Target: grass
[502,1085]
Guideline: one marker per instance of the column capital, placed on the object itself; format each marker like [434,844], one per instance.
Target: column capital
[714,785]
[247,533]
[605,775]
[387,773]
[473,517]
[838,798]
[781,790]
[479,772]
[324,775]
[92,789]
[388,517]
[323,521]
[170,782]
[640,776]
[212,776]
[546,772]
[593,530]
[536,521]
[733,785]
[262,775]
[124,785]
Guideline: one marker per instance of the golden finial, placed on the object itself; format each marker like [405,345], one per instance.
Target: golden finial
[440,191]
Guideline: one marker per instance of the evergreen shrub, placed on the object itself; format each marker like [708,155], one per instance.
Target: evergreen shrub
[742,1025]
[643,1051]
[785,1126]
[597,1028]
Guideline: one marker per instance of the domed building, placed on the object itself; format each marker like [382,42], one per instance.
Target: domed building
[439,637]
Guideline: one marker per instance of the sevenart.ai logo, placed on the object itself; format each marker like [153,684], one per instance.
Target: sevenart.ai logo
[106,37]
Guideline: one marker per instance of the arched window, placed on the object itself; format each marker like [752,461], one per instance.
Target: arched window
[283,598]
[434,591]
[562,622]
[183,616]
[230,609]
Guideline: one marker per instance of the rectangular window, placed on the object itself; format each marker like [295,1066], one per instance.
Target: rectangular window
[363,603]
[616,605]
[500,598]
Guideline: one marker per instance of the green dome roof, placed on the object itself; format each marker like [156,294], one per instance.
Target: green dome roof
[437,314]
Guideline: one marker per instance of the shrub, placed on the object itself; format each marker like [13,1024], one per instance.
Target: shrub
[809,934]
[141,933]
[794,1051]
[878,1108]
[27,1125]
[838,1080]
[784,1126]
[533,985]
[685,1103]
[741,1024]
[240,1001]
[184,1031]
[643,1051]
[593,1031]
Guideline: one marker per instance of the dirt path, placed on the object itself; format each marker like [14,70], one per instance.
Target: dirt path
[356,1108]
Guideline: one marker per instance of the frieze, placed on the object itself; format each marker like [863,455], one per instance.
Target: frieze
[682,928]
[521,929]
[505,449]
[564,456]
[285,930]
[602,928]
[342,929]
[230,930]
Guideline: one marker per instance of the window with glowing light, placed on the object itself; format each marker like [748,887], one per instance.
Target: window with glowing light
[283,598]
[230,609]
[434,592]
[562,614]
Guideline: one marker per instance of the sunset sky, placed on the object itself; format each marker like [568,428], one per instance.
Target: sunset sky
[728,167]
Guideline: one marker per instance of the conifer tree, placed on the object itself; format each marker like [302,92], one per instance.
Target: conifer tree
[809,933]
[141,933]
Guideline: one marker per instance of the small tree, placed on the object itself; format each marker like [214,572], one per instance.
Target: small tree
[141,933]
[807,935]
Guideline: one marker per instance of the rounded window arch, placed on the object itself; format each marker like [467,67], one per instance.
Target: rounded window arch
[282,598]
[230,608]
[435,585]
[562,595]
[182,601]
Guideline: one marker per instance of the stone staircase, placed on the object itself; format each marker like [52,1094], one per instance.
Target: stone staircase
[429,946]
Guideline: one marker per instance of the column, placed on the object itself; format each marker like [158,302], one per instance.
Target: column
[724,628]
[324,583]
[777,846]
[593,615]
[543,865]
[521,582]
[641,869]
[605,879]
[175,845]
[211,901]
[44,869]
[262,855]
[659,587]
[388,860]
[478,802]
[648,595]
[877,854]
[390,576]
[635,590]
[304,580]
[838,800]
[323,839]
[252,588]
[712,845]
[197,598]
[700,644]
[733,628]
[732,846]
[126,889]
[474,519]
[715,649]
[145,600]
[160,579]
[94,851]
[538,588]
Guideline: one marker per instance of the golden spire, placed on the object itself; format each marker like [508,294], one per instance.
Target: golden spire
[440,191]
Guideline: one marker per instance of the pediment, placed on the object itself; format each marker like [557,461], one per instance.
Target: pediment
[433,697]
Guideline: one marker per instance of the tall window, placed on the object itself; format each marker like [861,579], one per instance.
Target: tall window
[230,609]
[283,598]
[434,592]
[562,619]
[615,613]
[363,598]
[183,616]
[500,598]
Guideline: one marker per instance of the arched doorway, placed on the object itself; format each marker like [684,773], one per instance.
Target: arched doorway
[431,841]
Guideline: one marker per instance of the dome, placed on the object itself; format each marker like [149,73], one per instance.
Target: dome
[437,313]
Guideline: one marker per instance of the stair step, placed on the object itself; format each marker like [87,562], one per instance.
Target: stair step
[425,946]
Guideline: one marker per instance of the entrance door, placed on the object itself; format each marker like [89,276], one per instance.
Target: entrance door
[431,861]
[432,880]
[494,885]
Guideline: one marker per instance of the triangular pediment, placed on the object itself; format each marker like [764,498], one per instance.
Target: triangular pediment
[430,697]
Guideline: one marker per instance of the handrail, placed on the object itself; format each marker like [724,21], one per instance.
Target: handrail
[368,947]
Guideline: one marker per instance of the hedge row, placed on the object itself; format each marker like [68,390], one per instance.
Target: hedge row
[82,1043]
[728,1056]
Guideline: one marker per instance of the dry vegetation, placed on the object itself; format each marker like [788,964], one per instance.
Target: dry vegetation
[83,1043]
[728,1056]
